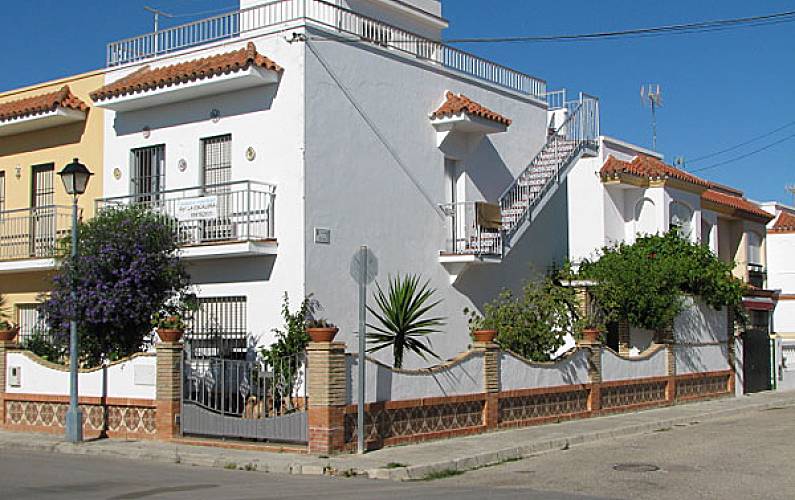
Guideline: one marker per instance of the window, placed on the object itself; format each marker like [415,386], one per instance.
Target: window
[31,322]
[147,177]
[42,201]
[2,190]
[681,219]
[219,328]
[754,248]
[216,160]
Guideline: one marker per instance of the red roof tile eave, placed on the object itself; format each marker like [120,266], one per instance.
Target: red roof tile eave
[785,223]
[42,103]
[455,104]
[146,78]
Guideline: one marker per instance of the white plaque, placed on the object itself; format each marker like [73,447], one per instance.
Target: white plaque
[202,208]
[144,374]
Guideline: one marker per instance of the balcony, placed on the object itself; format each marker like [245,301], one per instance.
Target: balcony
[273,15]
[474,236]
[234,219]
[756,275]
[29,237]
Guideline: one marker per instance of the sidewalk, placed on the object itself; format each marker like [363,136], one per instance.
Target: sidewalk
[418,460]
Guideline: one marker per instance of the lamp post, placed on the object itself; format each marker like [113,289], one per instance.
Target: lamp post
[75,180]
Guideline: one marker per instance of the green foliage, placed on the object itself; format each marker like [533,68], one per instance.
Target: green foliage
[645,282]
[401,314]
[534,324]
[41,345]
[5,321]
[176,312]
[478,322]
[319,323]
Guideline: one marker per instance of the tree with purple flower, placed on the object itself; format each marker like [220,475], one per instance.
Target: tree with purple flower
[127,270]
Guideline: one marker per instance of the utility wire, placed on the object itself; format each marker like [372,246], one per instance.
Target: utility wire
[746,155]
[703,26]
[745,143]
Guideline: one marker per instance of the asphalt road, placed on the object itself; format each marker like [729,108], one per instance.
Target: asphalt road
[748,455]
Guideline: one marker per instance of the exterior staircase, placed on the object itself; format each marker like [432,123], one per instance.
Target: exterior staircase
[577,136]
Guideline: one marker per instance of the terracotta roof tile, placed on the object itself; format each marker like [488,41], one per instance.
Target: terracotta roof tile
[43,103]
[784,224]
[736,202]
[650,167]
[459,103]
[148,78]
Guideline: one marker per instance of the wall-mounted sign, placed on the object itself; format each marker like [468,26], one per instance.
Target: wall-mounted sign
[202,208]
[250,154]
[147,132]
[182,165]
[117,173]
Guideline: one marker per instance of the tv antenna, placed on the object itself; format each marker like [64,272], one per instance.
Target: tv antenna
[791,189]
[157,13]
[651,95]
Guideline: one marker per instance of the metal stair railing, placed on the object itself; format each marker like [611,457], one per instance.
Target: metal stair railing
[580,131]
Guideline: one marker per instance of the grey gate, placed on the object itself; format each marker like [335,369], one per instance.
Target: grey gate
[244,399]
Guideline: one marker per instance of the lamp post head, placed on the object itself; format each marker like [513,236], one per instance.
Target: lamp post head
[75,178]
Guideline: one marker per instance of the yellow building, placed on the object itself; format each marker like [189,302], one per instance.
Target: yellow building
[42,128]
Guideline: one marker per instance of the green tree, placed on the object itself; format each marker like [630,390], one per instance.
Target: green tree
[645,282]
[401,314]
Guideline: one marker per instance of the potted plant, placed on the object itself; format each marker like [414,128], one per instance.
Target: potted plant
[320,330]
[481,328]
[171,319]
[593,321]
[7,329]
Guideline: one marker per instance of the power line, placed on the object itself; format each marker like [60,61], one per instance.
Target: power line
[703,26]
[746,155]
[745,143]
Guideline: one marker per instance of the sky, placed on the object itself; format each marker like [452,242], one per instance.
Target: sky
[719,89]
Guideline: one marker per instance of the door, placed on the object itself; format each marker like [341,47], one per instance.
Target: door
[42,211]
[216,178]
[756,360]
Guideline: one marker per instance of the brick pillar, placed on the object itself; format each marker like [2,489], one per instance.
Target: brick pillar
[5,346]
[491,382]
[327,397]
[169,389]
[623,337]
[594,372]
[670,388]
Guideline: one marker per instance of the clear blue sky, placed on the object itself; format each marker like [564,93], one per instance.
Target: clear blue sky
[720,89]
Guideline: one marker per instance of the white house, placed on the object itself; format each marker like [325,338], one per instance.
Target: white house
[287,134]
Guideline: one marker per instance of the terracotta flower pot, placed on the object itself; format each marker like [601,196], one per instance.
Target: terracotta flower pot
[8,334]
[484,335]
[322,334]
[169,334]
[590,335]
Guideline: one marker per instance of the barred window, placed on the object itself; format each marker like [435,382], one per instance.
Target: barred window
[148,172]
[31,322]
[219,328]
[217,160]
[2,190]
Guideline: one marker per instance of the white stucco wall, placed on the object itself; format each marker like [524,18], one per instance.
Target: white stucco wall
[134,378]
[266,118]
[355,187]
[781,276]
[703,358]
[699,323]
[385,384]
[616,367]
[520,374]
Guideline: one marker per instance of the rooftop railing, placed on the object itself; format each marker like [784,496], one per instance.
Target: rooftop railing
[33,233]
[218,213]
[320,12]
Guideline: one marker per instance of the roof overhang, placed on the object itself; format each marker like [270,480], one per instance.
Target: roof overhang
[58,116]
[221,84]
[466,123]
[27,265]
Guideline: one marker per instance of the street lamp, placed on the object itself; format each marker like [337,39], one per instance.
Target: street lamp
[75,180]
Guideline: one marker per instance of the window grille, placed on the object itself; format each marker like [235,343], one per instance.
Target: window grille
[31,321]
[42,203]
[2,190]
[148,172]
[219,328]
[216,175]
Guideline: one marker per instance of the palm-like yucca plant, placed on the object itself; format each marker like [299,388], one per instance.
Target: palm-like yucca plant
[401,312]
[4,319]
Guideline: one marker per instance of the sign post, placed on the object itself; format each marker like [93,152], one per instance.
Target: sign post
[364,268]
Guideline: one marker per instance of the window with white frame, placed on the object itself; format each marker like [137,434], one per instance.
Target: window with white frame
[31,322]
[754,248]
[680,219]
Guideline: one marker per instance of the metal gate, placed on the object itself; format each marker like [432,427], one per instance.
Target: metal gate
[756,361]
[244,399]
